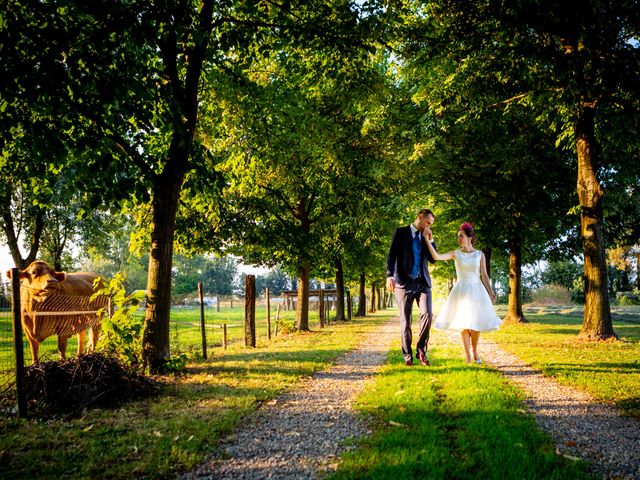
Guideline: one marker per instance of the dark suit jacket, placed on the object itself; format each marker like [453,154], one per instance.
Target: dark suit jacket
[400,258]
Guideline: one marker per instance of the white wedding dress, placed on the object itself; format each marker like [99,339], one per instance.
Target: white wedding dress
[468,305]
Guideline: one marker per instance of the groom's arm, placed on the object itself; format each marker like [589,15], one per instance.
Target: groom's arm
[393,254]
[428,237]
[392,258]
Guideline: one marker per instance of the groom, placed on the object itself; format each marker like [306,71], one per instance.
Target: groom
[408,276]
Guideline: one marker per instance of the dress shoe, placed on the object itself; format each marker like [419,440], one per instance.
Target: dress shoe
[424,361]
[408,363]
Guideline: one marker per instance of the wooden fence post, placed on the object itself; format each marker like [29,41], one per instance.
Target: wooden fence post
[224,336]
[266,294]
[321,308]
[278,318]
[16,311]
[250,311]
[202,327]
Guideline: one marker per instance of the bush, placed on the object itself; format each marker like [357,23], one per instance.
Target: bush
[552,295]
[627,298]
[122,333]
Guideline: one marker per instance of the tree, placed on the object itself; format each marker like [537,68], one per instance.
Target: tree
[276,280]
[576,62]
[133,73]
[282,203]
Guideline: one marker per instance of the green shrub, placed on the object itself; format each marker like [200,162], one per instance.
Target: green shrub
[122,332]
[627,298]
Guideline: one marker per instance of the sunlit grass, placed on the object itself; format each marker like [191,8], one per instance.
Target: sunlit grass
[608,370]
[161,436]
[451,420]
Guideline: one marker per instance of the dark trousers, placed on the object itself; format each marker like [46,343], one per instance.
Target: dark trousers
[419,292]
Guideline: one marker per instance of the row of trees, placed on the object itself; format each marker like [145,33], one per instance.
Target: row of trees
[301,134]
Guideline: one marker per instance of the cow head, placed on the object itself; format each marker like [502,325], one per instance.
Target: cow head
[40,279]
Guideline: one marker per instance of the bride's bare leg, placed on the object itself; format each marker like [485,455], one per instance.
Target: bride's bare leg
[466,343]
[475,336]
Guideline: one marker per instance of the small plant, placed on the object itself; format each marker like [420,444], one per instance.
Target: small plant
[284,327]
[175,364]
[122,330]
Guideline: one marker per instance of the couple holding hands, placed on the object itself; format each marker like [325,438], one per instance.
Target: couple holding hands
[469,306]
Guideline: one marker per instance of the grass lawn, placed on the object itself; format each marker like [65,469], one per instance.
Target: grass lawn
[161,436]
[609,370]
[450,421]
[185,333]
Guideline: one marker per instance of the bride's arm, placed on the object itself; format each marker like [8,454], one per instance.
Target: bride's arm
[436,255]
[485,278]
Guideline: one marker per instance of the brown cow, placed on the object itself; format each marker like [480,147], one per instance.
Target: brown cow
[53,303]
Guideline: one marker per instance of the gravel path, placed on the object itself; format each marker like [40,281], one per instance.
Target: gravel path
[580,426]
[300,434]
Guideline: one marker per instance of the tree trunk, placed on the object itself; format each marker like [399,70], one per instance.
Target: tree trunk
[379,295]
[597,323]
[155,342]
[302,308]
[514,310]
[373,297]
[339,291]
[167,185]
[362,300]
[12,238]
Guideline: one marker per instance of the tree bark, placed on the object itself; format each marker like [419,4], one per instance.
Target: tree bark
[514,309]
[373,298]
[250,311]
[168,183]
[12,237]
[155,341]
[362,301]
[597,323]
[339,291]
[302,307]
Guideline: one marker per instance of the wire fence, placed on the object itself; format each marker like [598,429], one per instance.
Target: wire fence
[224,322]
[196,328]
[7,358]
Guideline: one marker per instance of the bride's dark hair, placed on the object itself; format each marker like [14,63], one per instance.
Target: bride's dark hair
[467,228]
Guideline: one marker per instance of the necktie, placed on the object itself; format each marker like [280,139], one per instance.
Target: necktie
[416,255]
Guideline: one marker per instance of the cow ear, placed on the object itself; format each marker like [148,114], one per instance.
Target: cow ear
[21,276]
[60,276]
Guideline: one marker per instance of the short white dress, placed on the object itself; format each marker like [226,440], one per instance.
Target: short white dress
[468,305]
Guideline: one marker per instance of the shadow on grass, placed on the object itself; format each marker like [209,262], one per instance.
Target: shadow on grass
[452,421]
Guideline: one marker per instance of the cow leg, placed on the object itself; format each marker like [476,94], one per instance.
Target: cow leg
[94,336]
[34,344]
[81,337]
[62,346]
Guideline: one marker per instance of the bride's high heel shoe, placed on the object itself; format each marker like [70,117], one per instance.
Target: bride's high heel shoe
[478,361]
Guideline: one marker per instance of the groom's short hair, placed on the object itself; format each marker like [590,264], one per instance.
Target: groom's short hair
[425,211]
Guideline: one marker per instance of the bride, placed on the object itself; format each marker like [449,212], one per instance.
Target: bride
[468,307]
